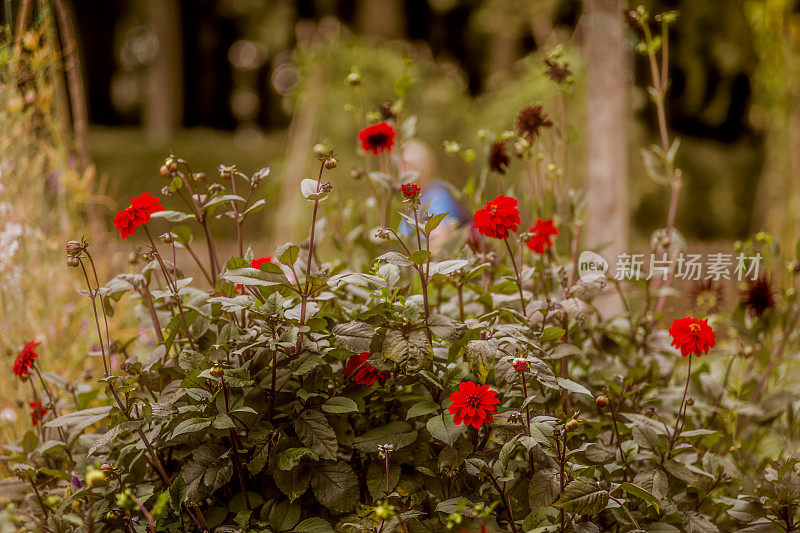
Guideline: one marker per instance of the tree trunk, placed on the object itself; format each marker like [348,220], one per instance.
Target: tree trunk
[163,102]
[606,227]
[382,17]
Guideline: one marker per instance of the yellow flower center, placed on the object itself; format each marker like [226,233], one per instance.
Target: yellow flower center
[493,209]
[694,328]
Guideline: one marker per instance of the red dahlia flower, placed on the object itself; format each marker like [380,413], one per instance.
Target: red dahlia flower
[377,138]
[692,336]
[37,412]
[497,218]
[25,359]
[540,234]
[410,190]
[363,373]
[473,404]
[137,214]
[258,261]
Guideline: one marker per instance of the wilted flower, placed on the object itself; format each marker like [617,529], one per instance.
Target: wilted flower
[75,481]
[498,157]
[530,120]
[758,297]
[706,295]
[558,72]
[521,365]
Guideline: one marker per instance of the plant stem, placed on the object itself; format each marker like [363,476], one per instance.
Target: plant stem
[423,278]
[519,280]
[627,512]
[145,292]
[304,294]
[504,499]
[675,432]
[236,215]
[460,289]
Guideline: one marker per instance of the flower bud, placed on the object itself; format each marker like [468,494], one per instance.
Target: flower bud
[601,401]
[690,402]
[164,171]
[217,371]
[73,261]
[74,248]
[199,176]
[95,478]
[225,173]
[388,111]
[214,188]
[106,468]
[571,425]
[133,258]
[171,164]
[357,173]
[320,150]
[521,365]
[353,79]
[330,163]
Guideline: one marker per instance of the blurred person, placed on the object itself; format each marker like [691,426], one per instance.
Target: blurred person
[437,196]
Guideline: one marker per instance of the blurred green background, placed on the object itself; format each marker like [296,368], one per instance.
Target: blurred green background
[218,81]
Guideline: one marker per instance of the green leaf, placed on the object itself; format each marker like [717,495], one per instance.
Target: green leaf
[442,427]
[411,351]
[582,496]
[290,458]
[639,492]
[313,525]
[173,216]
[571,386]
[190,426]
[340,405]
[419,257]
[422,408]
[395,258]
[399,434]
[189,360]
[544,487]
[434,221]
[254,276]
[177,493]
[354,336]
[552,333]
[293,483]
[287,253]
[312,190]
[223,199]
[482,356]
[336,486]
[316,433]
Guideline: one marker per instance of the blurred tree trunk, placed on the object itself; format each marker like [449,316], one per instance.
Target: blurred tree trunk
[386,18]
[163,102]
[606,226]
[776,32]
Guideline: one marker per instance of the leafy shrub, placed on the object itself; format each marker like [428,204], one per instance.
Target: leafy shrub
[416,376]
